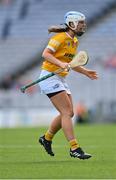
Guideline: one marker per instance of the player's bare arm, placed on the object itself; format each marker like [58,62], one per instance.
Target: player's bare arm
[88,72]
[49,55]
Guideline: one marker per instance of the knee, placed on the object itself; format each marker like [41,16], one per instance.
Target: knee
[68,113]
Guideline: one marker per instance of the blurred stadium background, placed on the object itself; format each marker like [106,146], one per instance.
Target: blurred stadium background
[23,35]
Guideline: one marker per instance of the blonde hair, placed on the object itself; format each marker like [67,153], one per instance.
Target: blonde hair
[58,28]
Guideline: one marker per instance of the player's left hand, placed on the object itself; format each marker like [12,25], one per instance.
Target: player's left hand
[91,74]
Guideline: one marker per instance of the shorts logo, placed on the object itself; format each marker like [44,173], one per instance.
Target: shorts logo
[56,86]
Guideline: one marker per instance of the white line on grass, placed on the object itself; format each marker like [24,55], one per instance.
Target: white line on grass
[24,146]
[12,146]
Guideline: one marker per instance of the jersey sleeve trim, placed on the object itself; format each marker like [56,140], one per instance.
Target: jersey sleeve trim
[51,48]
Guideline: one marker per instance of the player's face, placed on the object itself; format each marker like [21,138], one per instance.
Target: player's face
[81,27]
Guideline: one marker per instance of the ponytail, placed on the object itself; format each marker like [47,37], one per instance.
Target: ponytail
[56,29]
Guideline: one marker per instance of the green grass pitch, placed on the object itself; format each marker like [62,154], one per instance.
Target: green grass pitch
[22,157]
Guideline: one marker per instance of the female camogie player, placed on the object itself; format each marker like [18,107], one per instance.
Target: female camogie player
[59,52]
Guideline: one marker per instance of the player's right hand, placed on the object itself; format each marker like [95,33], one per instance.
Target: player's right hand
[64,65]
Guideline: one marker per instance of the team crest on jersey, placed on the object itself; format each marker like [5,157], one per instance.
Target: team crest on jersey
[68,43]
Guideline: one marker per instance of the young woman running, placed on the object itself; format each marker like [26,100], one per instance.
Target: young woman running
[59,52]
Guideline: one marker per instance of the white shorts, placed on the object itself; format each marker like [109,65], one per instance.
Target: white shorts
[53,84]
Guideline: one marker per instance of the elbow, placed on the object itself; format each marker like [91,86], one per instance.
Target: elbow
[43,55]
[46,54]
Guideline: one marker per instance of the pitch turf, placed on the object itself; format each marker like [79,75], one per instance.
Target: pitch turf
[22,157]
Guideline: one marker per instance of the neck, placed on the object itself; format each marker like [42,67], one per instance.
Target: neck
[71,33]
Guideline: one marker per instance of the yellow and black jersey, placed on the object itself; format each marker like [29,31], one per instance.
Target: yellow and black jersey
[64,48]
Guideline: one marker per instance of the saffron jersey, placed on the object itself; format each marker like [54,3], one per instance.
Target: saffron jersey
[64,48]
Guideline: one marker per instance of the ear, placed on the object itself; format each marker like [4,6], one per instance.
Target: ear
[71,24]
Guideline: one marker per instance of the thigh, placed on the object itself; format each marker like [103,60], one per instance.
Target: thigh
[71,101]
[63,102]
